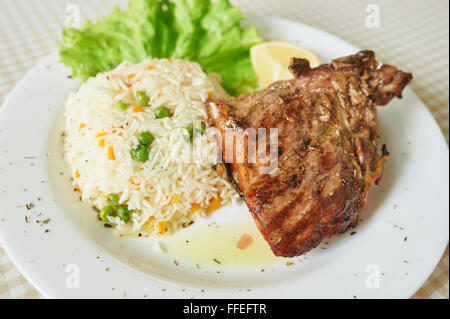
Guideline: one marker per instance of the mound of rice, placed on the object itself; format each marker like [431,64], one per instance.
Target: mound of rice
[164,193]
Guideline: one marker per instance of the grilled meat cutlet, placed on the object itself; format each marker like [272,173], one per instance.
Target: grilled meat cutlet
[328,152]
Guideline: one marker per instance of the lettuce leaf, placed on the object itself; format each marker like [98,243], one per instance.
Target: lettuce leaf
[196,30]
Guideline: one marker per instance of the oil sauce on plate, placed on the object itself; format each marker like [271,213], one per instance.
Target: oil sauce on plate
[236,244]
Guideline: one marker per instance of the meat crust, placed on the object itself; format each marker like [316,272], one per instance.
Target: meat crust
[327,156]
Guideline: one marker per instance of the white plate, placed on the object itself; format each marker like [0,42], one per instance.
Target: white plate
[411,202]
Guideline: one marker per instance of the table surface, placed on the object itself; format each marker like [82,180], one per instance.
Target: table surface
[412,35]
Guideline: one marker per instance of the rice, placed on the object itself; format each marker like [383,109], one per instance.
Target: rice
[168,191]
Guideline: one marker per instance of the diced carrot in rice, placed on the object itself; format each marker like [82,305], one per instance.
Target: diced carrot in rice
[173,200]
[111,155]
[137,109]
[214,204]
[101,134]
[162,227]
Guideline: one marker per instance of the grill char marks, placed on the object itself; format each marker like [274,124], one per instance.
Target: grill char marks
[327,133]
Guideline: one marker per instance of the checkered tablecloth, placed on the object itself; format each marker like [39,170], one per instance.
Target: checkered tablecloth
[412,35]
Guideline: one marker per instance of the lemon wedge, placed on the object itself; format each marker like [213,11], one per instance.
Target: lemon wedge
[271,60]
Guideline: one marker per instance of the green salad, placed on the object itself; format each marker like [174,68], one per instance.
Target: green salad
[196,30]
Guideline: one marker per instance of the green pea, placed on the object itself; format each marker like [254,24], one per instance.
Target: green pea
[112,200]
[162,112]
[142,98]
[188,133]
[146,138]
[122,106]
[140,153]
[200,126]
[105,212]
[124,213]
